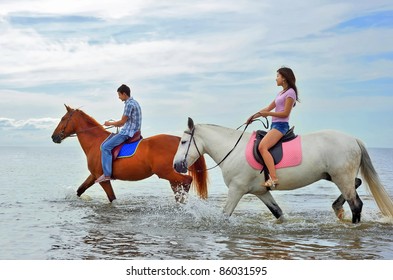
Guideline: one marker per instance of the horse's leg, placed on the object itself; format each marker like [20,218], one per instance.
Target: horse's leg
[339,202]
[180,183]
[356,206]
[106,185]
[234,196]
[269,201]
[181,190]
[85,185]
[345,183]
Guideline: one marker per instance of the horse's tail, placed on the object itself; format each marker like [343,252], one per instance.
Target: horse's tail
[199,175]
[379,193]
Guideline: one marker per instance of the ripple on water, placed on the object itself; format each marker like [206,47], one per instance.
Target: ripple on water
[155,227]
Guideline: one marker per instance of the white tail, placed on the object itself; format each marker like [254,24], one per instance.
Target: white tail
[379,193]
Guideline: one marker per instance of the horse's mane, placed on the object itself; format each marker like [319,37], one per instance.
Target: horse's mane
[219,127]
[88,118]
[220,131]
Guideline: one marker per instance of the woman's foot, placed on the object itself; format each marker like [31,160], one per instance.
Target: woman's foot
[271,183]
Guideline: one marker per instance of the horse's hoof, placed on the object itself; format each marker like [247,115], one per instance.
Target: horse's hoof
[113,204]
[340,214]
[85,197]
[281,219]
[181,197]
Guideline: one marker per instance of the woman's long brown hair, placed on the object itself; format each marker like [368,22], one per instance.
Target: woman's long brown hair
[289,76]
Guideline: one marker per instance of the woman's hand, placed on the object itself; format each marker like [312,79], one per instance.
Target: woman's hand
[264,113]
[250,119]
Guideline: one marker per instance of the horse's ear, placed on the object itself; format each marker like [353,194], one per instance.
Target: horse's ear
[190,124]
[68,108]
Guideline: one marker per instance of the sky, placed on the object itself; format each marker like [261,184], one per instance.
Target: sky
[214,61]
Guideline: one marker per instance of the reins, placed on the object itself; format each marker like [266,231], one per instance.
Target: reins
[84,130]
[227,155]
[80,131]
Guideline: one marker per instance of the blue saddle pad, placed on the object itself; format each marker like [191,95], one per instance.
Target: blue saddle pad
[129,150]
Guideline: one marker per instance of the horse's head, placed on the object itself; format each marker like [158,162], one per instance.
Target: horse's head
[66,126]
[188,150]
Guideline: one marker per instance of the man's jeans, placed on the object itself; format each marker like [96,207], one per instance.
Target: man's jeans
[106,152]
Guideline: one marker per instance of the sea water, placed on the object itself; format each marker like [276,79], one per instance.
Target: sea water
[41,218]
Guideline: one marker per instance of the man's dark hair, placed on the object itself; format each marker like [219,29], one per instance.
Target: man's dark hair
[124,89]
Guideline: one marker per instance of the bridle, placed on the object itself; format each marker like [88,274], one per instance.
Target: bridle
[192,139]
[62,132]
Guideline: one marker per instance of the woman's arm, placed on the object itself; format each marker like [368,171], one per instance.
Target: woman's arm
[268,108]
[259,113]
[287,110]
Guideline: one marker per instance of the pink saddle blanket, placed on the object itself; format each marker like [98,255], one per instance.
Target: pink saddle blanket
[292,153]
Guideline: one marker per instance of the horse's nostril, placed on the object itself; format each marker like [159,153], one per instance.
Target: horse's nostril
[176,166]
[56,139]
[179,167]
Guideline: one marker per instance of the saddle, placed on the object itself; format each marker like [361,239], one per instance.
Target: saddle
[116,150]
[276,151]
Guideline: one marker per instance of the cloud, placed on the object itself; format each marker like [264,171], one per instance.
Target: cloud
[149,42]
[212,60]
[42,60]
[31,124]
[117,9]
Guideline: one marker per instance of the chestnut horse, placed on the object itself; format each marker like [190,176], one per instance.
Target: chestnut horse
[154,156]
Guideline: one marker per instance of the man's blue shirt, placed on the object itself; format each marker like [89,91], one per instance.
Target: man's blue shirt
[134,113]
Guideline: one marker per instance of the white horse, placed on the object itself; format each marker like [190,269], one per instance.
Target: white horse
[328,155]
